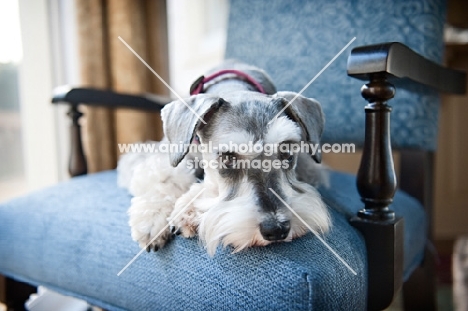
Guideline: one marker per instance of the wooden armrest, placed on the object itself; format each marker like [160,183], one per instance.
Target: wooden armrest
[108,98]
[396,61]
[97,98]
[383,66]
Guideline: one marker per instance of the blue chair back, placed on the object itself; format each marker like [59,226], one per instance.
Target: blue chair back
[294,40]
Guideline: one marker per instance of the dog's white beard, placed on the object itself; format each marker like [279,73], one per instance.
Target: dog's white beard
[311,209]
[233,222]
[161,191]
[236,222]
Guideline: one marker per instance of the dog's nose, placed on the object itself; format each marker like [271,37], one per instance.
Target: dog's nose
[274,231]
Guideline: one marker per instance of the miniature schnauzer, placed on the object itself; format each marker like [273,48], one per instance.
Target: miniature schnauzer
[222,201]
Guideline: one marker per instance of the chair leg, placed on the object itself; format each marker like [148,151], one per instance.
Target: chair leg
[14,294]
[419,292]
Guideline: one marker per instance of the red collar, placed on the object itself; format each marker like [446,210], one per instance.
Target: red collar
[197,86]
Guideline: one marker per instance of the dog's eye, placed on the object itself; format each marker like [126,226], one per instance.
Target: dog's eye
[288,156]
[228,160]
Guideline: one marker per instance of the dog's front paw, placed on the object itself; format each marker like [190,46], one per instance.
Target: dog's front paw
[186,224]
[185,217]
[148,223]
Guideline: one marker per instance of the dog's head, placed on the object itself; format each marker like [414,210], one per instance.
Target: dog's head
[252,144]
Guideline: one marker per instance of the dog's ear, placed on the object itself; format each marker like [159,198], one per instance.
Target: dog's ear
[308,113]
[181,119]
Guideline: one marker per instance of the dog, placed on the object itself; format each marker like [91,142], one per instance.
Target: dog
[226,204]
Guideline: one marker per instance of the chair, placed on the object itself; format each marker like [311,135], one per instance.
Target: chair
[75,238]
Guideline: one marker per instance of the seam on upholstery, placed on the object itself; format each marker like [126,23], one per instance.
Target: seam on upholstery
[309,290]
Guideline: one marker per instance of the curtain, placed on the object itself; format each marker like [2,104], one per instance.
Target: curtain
[107,63]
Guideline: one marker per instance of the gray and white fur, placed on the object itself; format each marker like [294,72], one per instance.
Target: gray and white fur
[236,207]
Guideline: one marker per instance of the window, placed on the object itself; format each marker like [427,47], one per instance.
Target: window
[12,175]
[38,53]
[197,39]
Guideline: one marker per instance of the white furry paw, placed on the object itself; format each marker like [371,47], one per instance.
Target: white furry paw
[148,223]
[156,186]
[185,218]
[186,224]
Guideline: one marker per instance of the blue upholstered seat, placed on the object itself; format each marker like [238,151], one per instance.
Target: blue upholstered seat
[74,238]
